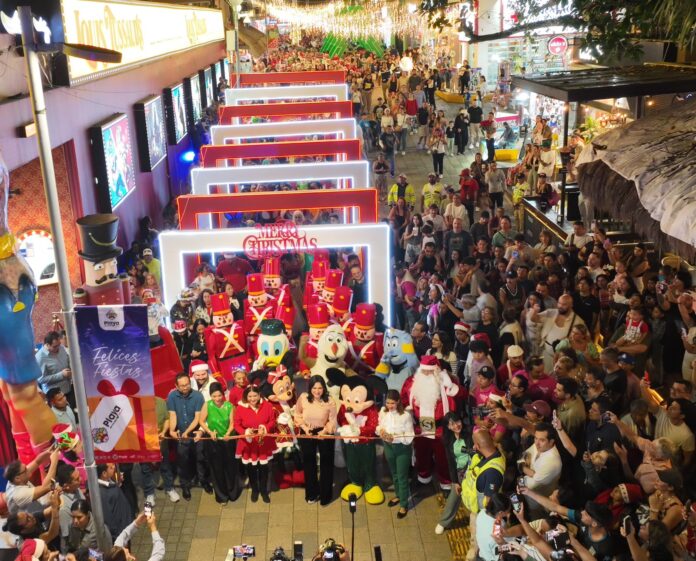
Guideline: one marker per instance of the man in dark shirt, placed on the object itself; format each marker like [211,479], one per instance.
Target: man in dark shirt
[388,142]
[358,284]
[585,304]
[480,229]
[421,341]
[600,434]
[458,239]
[475,118]
[615,380]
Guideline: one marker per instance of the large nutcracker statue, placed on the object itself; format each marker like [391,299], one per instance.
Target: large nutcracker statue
[258,306]
[340,309]
[334,279]
[225,340]
[314,283]
[365,345]
[103,285]
[318,320]
[30,416]
[271,275]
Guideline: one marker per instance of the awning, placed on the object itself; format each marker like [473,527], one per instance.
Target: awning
[655,159]
[603,83]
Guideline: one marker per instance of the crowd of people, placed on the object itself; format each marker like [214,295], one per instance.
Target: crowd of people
[564,413]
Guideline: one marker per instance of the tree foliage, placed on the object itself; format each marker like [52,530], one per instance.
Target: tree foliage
[612,28]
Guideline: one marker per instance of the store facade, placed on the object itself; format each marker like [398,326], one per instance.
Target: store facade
[99,94]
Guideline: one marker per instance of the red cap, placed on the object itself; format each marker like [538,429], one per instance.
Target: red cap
[429,362]
[334,279]
[319,268]
[318,315]
[364,316]
[342,300]
[255,285]
[220,303]
[286,314]
[271,267]
[465,171]
[197,366]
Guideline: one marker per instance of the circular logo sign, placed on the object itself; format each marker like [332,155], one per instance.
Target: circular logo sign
[558,45]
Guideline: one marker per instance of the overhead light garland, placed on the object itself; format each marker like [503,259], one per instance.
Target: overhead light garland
[351,21]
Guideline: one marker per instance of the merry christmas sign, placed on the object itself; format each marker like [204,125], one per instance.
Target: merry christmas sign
[115,357]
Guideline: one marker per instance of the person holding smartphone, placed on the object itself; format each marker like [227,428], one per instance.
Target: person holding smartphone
[119,552]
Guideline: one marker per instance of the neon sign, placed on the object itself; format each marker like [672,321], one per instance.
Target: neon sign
[273,240]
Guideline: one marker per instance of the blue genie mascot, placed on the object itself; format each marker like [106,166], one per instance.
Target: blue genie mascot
[399,360]
[30,416]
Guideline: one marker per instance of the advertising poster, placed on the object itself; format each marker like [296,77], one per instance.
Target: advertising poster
[179,109]
[118,155]
[115,357]
[196,98]
[156,138]
[209,87]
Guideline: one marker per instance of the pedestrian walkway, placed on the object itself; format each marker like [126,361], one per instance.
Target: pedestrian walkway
[202,530]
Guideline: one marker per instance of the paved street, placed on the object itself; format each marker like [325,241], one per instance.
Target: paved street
[201,530]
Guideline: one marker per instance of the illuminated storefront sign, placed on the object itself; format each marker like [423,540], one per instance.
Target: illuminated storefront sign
[141,31]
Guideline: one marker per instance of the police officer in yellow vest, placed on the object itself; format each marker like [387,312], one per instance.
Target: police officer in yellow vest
[483,478]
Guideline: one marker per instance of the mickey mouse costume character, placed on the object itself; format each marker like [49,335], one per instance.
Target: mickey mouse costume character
[103,285]
[357,419]
[430,393]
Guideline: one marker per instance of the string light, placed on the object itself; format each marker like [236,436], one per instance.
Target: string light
[350,21]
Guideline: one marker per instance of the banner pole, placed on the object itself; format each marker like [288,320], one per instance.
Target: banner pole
[38,107]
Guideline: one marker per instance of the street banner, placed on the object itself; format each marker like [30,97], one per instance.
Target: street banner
[115,357]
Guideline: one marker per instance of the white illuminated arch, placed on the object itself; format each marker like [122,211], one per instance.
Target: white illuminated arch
[332,92]
[203,178]
[174,245]
[234,134]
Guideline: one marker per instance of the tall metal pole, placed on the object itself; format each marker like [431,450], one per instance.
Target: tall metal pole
[38,105]
[265,27]
[236,5]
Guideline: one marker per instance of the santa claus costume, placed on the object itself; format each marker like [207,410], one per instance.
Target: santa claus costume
[225,340]
[430,394]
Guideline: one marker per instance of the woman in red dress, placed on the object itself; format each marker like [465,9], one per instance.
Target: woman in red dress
[255,417]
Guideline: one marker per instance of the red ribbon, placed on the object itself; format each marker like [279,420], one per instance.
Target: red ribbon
[129,388]
[277,374]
